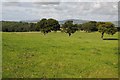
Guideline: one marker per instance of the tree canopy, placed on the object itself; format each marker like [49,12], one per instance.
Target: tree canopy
[106,27]
[89,26]
[69,27]
[49,25]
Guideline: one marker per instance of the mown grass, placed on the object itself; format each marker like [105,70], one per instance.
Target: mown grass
[56,55]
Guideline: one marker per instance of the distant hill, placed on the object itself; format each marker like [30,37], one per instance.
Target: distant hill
[75,21]
[31,21]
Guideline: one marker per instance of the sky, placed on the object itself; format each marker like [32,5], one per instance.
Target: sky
[97,10]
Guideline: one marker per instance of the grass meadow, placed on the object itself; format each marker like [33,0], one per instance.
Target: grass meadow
[56,55]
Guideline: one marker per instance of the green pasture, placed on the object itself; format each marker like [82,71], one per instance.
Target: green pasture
[56,55]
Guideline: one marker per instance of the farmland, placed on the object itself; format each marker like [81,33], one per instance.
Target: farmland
[56,55]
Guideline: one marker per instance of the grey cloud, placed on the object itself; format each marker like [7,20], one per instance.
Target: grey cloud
[10,4]
[47,3]
[63,10]
[106,9]
[16,4]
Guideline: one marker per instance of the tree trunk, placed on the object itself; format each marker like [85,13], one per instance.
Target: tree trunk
[102,35]
[44,33]
[69,34]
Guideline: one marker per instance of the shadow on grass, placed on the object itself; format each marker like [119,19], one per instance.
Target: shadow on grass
[110,39]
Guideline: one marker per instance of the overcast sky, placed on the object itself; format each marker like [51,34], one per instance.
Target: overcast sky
[34,10]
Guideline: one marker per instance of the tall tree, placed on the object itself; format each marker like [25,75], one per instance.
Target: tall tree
[69,27]
[44,26]
[53,24]
[32,26]
[89,26]
[106,27]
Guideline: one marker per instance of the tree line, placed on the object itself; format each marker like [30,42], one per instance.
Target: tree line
[48,25]
[11,26]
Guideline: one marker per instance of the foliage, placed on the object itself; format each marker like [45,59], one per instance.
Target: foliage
[10,26]
[49,25]
[79,26]
[69,27]
[44,26]
[89,26]
[54,24]
[118,28]
[106,27]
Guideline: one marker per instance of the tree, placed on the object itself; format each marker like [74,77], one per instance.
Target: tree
[44,28]
[69,27]
[11,26]
[37,26]
[79,26]
[32,26]
[53,24]
[118,29]
[90,26]
[93,25]
[85,27]
[106,27]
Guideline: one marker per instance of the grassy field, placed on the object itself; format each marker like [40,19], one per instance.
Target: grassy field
[56,55]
